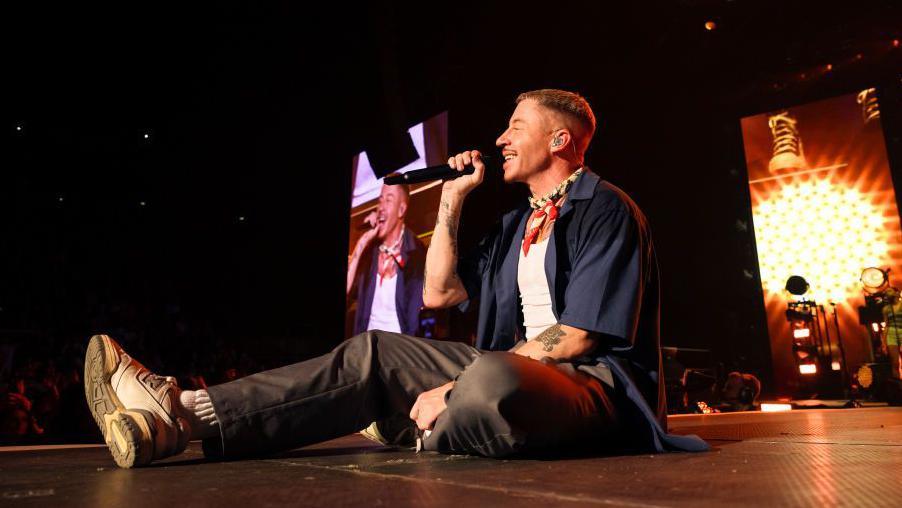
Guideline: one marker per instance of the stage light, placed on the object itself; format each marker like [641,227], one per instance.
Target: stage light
[19,128]
[801,333]
[241,218]
[829,67]
[807,368]
[773,407]
[797,285]
[835,365]
[142,203]
[895,43]
[874,279]
[710,25]
[801,354]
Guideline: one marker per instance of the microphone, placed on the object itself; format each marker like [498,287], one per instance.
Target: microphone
[440,172]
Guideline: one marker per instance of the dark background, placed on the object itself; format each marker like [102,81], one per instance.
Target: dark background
[253,111]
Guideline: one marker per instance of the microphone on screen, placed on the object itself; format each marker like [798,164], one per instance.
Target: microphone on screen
[440,172]
[366,226]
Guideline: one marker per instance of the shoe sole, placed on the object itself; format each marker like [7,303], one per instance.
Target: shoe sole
[125,432]
[372,433]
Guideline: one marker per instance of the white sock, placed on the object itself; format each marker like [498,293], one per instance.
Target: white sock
[199,409]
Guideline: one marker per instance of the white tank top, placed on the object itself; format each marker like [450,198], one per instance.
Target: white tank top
[383,312]
[534,293]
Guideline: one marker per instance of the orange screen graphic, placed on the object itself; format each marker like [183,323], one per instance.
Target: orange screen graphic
[823,208]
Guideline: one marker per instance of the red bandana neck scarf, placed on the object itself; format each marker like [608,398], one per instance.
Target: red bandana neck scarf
[392,253]
[546,210]
[537,220]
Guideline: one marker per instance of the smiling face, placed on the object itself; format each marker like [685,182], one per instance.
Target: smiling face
[526,144]
[390,211]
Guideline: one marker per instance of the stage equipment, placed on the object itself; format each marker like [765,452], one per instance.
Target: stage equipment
[440,172]
[842,353]
[877,295]
[797,285]
[704,408]
[871,380]
[689,377]
[874,279]
[812,347]
[739,393]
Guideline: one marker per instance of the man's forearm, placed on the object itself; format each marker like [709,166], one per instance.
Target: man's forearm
[560,342]
[353,262]
[441,286]
[352,272]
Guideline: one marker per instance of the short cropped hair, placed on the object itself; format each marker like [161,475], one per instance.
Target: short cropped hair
[403,187]
[567,103]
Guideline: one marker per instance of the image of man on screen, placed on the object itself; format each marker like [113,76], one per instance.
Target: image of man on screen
[385,270]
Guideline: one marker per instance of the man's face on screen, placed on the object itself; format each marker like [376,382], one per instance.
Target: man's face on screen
[390,211]
[525,145]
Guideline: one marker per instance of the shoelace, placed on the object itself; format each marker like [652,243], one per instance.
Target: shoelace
[786,136]
[155,381]
[870,110]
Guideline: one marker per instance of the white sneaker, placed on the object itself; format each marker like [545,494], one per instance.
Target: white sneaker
[134,408]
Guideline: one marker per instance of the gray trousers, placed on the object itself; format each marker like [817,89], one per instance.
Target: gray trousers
[501,403]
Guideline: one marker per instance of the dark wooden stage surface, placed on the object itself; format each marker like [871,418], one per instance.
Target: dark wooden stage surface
[833,457]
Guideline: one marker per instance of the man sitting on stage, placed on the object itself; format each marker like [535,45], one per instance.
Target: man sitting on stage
[567,354]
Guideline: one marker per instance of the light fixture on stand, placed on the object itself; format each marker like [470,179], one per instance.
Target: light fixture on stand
[807,335]
[874,280]
[878,315]
[844,371]
[812,346]
[875,284]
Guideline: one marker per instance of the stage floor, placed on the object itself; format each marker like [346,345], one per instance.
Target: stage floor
[830,457]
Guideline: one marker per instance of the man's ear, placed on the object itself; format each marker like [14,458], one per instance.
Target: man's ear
[561,140]
[402,210]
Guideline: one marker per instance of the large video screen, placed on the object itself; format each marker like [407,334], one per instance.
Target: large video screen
[824,210]
[391,226]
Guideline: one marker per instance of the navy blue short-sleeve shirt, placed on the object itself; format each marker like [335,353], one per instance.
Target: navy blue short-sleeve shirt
[603,278]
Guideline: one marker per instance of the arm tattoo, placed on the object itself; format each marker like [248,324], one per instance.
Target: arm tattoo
[425,275]
[449,218]
[550,337]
